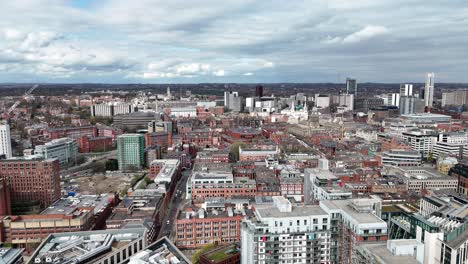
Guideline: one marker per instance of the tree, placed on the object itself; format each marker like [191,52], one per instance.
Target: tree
[112,165]
[234,153]
[196,255]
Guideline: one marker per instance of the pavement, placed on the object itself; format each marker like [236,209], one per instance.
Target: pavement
[178,199]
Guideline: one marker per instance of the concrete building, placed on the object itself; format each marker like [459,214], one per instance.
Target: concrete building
[353,222]
[321,184]
[450,144]
[257,154]
[162,251]
[65,215]
[284,232]
[131,151]
[322,100]
[410,105]
[98,247]
[421,179]
[366,104]
[5,141]
[422,141]
[399,158]
[10,255]
[35,180]
[63,149]
[455,98]
[112,109]
[429,90]
[406,89]
[233,102]
[344,100]
[351,86]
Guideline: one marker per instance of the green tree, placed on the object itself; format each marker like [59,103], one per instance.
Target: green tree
[196,255]
[234,153]
[112,165]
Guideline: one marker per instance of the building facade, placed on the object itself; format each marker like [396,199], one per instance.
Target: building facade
[131,151]
[5,141]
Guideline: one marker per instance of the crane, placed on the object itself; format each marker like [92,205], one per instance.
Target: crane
[12,108]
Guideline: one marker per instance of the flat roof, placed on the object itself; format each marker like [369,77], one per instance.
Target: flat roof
[380,251]
[70,204]
[84,246]
[345,206]
[10,255]
[304,210]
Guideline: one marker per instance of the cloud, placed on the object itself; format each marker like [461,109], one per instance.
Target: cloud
[161,41]
[365,34]
[219,73]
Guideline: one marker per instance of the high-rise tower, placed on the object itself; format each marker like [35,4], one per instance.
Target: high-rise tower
[5,141]
[351,86]
[429,90]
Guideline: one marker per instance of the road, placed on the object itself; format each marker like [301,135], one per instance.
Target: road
[178,199]
[89,163]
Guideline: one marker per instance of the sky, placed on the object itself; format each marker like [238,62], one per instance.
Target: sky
[245,41]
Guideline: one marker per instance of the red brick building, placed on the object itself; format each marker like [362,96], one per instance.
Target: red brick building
[5,204]
[197,227]
[32,180]
[73,132]
[94,144]
[158,138]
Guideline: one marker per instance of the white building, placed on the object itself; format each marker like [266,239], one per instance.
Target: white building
[429,90]
[183,111]
[399,157]
[63,149]
[422,140]
[112,109]
[321,184]
[420,178]
[322,101]
[344,100]
[285,233]
[450,144]
[5,141]
[406,89]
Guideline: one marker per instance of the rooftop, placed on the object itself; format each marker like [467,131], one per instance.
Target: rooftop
[160,252]
[70,204]
[10,255]
[81,247]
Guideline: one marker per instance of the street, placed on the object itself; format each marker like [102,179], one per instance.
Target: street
[178,199]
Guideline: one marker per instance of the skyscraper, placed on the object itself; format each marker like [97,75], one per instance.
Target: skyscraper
[429,90]
[406,89]
[258,91]
[5,141]
[351,86]
[130,151]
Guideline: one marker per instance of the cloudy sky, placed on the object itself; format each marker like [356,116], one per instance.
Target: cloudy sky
[169,41]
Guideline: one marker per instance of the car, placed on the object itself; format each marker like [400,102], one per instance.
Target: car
[167,223]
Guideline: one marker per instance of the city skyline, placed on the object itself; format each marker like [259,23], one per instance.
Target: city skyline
[240,41]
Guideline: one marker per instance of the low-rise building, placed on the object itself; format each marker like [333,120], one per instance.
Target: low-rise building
[421,179]
[196,227]
[98,247]
[161,251]
[63,149]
